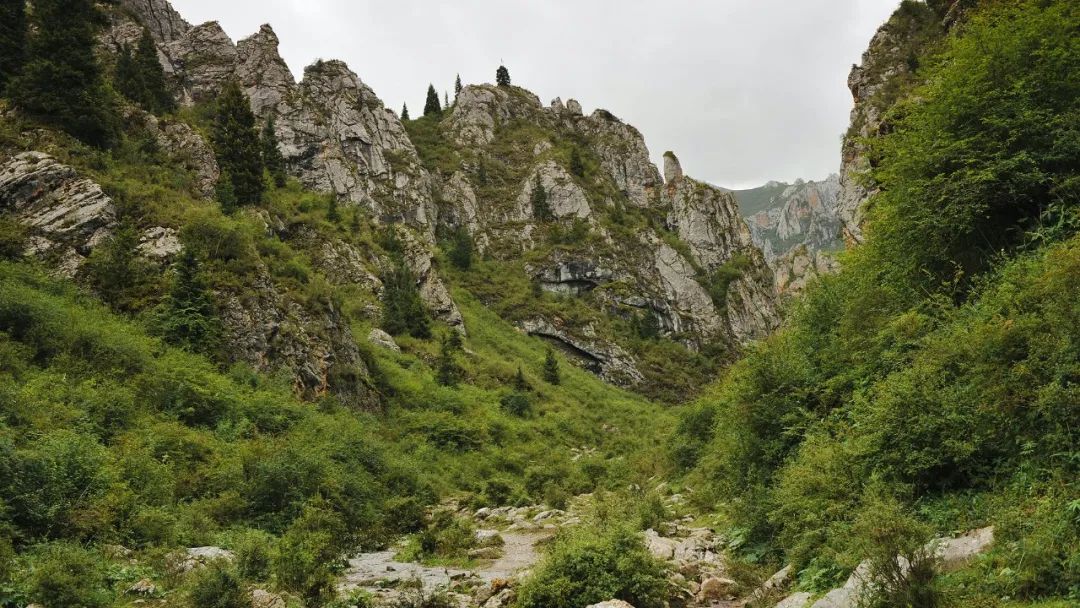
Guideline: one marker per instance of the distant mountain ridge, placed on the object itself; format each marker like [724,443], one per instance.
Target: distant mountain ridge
[796,226]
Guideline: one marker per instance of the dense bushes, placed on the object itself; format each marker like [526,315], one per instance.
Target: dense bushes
[938,370]
[595,564]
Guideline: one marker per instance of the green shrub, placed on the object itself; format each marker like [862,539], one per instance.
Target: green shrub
[66,574]
[516,404]
[590,566]
[254,551]
[308,553]
[217,585]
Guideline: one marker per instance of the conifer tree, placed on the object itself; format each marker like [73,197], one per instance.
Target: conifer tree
[187,317]
[237,146]
[446,99]
[403,310]
[551,368]
[432,105]
[225,194]
[502,76]
[448,372]
[126,75]
[333,214]
[61,81]
[539,199]
[461,249]
[116,270]
[405,112]
[457,87]
[155,95]
[271,154]
[521,385]
[13,30]
[577,166]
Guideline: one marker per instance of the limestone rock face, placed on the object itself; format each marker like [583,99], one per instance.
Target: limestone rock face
[267,331]
[795,269]
[612,604]
[876,84]
[432,290]
[689,307]
[623,155]
[68,215]
[261,71]
[672,168]
[201,61]
[564,196]
[337,136]
[479,109]
[607,360]
[796,229]
[707,218]
[164,23]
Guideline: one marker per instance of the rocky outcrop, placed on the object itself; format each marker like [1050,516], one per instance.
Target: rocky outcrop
[623,155]
[67,215]
[268,331]
[432,290]
[797,268]
[337,136]
[164,23]
[796,229]
[184,145]
[335,133]
[565,198]
[882,79]
[607,360]
[803,214]
[574,277]
[949,554]
[261,71]
[201,62]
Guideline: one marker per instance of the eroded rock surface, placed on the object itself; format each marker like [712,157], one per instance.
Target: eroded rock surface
[67,215]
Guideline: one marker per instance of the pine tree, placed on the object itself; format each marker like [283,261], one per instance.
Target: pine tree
[502,76]
[271,154]
[457,87]
[403,310]
[448,372]
[577,166]
[13,30]
[551,368]
[405,112]
[237,146]
[521,385]
[126,75]
[61,81]
[156,97]
[187,318]
[225,194]
[446,99]
[432,105]
[461,249]
[333,214]
[539,199]
[116,271]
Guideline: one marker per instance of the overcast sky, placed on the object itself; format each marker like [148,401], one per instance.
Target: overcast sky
[743,91]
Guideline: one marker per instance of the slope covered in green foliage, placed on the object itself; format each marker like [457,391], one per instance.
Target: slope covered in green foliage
[935,378]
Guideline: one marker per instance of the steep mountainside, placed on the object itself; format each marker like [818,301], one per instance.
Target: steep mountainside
[796,228]
[622,251]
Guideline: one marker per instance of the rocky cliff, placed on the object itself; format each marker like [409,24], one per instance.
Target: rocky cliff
[620,239]
[796,228]
[887,74]
[626,245]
